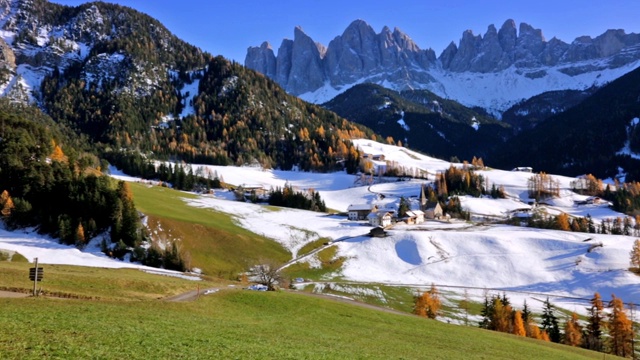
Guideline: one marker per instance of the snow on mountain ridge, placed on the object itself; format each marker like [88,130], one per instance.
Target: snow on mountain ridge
[491,71]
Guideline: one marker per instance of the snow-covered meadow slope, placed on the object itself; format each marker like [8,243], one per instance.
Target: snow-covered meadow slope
[476,254]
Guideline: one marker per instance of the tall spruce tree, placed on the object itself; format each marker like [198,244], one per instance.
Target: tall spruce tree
[592,338]
[550,322]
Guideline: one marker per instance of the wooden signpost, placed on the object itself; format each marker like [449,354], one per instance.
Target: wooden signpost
[36,274]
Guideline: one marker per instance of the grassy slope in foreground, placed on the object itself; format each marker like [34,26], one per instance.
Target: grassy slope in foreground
[247,325]
[215,243]
[91,282]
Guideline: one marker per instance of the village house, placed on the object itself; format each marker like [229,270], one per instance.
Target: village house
[433,210]
[414,217]
[382,219]
[360,211]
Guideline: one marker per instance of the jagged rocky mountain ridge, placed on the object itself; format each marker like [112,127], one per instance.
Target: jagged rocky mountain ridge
[493,71]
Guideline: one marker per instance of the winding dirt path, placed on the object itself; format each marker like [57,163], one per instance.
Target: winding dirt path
[11,294]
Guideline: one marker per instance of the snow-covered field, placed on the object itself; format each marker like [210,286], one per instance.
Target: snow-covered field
[457,253]
[49,251]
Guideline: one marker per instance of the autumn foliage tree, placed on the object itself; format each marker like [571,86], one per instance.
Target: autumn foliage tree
[635,255]
[518,324]
[621,334]
[427,304]
[6,204]
[572,331]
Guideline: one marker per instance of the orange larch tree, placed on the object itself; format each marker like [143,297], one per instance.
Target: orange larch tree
[572,331]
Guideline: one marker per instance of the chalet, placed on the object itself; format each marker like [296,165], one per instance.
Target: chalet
[258,190]
[433,210]
[591,200]
[381,218]
[414,217]
[360,211]
[375,157]
[523,169]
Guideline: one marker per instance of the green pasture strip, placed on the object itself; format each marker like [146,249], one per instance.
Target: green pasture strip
[242,324]
[214,242]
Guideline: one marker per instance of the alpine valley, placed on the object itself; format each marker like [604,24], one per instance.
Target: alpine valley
[512,74]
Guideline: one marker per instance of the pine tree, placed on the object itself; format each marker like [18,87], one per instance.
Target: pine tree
[518,324]
[572,331]
[593,333]
[550,322]
[486,313]
[620,329]
[635,254]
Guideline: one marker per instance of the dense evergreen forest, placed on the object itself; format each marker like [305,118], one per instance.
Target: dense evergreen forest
[60,191]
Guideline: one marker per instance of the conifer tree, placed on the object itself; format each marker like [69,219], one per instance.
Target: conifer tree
[593,333]
[427,304]
[562,222]
[620,329]
[635,254]
[550,322]
[518,324]
[572,331]
[501,316]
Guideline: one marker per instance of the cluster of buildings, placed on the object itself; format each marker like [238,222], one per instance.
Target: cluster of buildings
[385,217]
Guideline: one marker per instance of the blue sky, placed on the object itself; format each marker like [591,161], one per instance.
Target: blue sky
[229,27]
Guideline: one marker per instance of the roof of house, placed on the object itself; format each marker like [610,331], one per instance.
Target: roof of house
[360,207]
[432,205]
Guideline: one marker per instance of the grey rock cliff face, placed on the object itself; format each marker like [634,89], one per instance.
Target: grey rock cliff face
[262,58]
[302,65]
[392,57]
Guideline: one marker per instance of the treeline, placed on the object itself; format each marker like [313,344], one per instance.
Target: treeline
[61,194]
[464,181]
[499,315]
[181,177]
[627,225]
[288,197]
[624,197]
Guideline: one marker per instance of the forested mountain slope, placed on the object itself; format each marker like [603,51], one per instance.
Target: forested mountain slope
[597,136]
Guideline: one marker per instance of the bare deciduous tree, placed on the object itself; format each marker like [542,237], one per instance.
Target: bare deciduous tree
[266,273]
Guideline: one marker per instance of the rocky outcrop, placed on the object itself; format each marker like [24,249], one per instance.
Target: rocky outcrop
[262,58]
[359,53]
[393,58]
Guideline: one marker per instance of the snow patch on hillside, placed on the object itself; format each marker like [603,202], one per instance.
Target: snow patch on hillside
[495,92]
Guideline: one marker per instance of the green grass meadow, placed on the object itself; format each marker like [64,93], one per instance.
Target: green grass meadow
[241,324]
[216,245]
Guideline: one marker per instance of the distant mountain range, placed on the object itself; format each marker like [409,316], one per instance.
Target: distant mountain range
[493,71]
[121,82]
